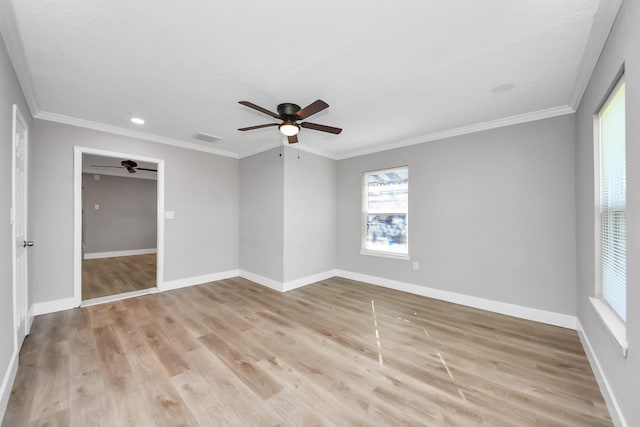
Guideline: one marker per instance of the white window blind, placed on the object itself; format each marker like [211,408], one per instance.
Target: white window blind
[613,203]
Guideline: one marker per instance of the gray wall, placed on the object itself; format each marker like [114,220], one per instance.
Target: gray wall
[622,374]
[491,215]
[262,214]
[309,214]
[127,218]
[201,188]
[287,214]
[10,93]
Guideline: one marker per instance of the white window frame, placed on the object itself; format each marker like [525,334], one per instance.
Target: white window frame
[363,219]
[613,323]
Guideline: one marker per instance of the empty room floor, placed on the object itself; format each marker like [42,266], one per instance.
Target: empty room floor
[117,275]
[337,352]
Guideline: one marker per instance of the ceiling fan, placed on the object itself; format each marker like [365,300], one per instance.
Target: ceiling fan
[129,165]
[289,114]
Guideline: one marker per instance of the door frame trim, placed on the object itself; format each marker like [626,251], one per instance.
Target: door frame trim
[18,117]
[78,151]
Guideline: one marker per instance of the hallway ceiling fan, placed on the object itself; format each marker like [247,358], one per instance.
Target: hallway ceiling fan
[129,165]
[290,114]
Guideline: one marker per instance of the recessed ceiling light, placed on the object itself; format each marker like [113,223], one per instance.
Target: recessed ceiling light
[503,88]
[137,120]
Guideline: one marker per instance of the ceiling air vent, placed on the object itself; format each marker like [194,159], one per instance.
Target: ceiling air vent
[206,137]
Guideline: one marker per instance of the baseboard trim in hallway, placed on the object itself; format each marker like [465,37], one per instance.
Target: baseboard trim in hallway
[118,297]
[115,254]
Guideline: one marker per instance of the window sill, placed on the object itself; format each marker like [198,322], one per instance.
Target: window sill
[614,325]
[384,254]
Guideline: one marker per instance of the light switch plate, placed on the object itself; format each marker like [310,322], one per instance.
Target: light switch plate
[169,215]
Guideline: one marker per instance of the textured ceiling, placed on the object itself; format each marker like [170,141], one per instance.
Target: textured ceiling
[391,71]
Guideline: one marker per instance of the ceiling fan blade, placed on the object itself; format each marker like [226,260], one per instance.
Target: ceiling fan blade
[311,109]
[104,166]
[259,126]
[146,169]
[262,110]
[321,128]
[292,139]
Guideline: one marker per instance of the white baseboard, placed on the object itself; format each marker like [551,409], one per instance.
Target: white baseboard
[197,280]
[7,382]
[69,303]
[304,281]
[605,388]
[537,315]
[261,280]
[118,297]
[290,285]
[54,306]
[30,317]
[548,317]
[113,254]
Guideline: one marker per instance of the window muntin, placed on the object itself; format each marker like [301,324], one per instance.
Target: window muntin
[612,202]
[385,211]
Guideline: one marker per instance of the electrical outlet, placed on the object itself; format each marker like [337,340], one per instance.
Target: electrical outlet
[96,207]
[169,215]
[416,265]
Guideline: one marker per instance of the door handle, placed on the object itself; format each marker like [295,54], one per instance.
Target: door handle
[27,243]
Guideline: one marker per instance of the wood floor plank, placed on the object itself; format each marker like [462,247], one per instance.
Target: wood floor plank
[338,352]
[233,398]
[164,402]
[242,366]
[117,275]
[201,400]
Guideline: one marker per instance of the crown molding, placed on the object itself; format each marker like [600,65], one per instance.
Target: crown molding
[602,25]
[15,49]
[259,150]
[74,121]
[478,127]
[464,130]
[316,151]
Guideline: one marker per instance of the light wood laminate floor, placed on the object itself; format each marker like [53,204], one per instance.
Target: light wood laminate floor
[337,352]
[117,275]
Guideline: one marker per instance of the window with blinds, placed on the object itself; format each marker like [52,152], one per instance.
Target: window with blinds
[385,211]
[612,202]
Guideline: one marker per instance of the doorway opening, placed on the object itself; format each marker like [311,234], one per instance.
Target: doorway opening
[119,225]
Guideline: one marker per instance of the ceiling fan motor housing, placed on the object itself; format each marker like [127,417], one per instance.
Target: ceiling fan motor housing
[288,110]
[290,113]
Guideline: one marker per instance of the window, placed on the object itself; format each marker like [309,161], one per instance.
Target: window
[385,212]
[612,202]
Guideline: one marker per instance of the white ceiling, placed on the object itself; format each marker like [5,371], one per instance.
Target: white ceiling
[393,73]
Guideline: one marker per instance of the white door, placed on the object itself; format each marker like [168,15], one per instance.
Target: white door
[21,244]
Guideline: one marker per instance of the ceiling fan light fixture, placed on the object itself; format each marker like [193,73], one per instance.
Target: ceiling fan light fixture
[289,129]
